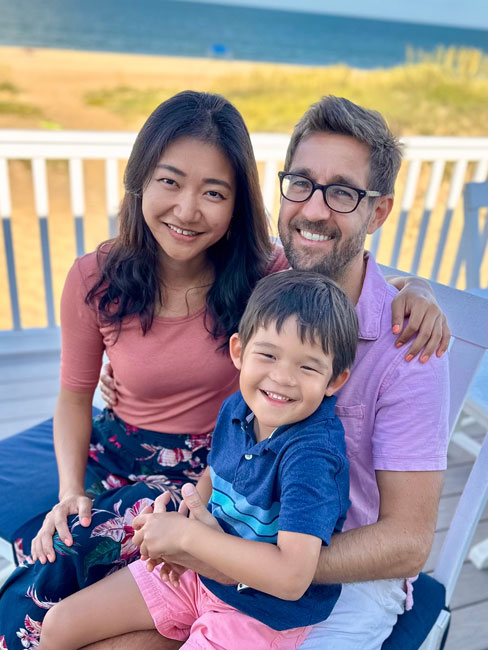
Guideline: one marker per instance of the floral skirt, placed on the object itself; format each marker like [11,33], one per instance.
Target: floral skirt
[127,468]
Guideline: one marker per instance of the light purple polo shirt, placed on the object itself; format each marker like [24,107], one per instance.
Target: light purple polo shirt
[395,414]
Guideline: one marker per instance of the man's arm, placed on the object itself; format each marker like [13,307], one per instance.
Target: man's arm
[398,544]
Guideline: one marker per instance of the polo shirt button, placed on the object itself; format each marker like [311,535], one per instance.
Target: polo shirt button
[248,456]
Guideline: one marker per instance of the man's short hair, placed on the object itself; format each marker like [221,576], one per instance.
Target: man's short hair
[339,115]
[323,311]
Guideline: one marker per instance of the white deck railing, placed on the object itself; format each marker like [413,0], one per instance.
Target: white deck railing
[428,216]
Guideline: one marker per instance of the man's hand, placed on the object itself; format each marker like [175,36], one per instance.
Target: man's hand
[107,385]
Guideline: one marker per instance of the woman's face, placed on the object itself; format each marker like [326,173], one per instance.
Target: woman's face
[189,200]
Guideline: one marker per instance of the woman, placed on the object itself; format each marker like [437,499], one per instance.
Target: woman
[162,299]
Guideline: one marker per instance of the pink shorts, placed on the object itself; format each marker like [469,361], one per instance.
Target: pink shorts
[192,612]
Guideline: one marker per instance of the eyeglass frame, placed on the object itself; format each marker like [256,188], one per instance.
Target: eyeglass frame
[324,188]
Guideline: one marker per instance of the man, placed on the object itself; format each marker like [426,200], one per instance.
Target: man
[337,187]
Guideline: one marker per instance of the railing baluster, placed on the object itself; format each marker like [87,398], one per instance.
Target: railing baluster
[407,202]
[42,209]
[481,171]
[269,184]
[76,147]
[6,213]
[77,201]
[430,199]
[479,175]
[457,182]
[112,192]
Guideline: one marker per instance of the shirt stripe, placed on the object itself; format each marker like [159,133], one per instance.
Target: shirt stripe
[248,520]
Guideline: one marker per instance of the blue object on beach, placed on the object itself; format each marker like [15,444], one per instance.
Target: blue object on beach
[218,49]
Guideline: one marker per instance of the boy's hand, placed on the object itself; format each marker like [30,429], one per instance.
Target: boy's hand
[158,533]
[171,572]
[193,504]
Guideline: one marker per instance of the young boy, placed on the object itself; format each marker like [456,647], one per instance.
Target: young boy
[278,479]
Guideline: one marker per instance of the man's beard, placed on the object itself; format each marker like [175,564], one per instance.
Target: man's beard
[333,264]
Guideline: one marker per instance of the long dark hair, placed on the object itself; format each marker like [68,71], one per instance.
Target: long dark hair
[130,275]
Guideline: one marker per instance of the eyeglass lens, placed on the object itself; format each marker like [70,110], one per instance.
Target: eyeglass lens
[337,197]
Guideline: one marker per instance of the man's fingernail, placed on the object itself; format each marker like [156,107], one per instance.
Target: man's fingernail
[439,353]
[395,329]
[188,489]
[85,521]
[424,358]
[409,357]
[398,344]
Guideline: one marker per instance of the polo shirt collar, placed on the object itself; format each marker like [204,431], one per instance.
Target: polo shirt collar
[243,417]
[370,305]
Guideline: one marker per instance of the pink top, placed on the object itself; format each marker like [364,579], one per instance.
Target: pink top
[171,380]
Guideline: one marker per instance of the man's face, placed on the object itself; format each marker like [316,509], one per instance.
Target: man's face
[326,158]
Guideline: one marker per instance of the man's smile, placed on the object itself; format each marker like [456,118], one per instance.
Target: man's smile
[313,236]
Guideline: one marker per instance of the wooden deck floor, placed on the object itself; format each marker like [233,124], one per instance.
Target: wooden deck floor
[29,379]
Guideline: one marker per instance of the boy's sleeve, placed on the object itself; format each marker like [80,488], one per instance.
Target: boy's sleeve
[314,491]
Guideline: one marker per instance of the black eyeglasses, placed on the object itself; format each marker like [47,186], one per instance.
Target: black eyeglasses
[338,197]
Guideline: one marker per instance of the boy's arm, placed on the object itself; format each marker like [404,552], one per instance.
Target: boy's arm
[284,570]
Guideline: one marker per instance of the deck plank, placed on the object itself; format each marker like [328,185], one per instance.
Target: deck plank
[469,629]
[472,588]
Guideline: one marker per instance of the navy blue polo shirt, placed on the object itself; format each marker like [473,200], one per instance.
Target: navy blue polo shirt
[296,480]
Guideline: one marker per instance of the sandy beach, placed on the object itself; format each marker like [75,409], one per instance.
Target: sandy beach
[56,82]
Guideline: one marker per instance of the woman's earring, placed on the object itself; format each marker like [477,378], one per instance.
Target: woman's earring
[228,234]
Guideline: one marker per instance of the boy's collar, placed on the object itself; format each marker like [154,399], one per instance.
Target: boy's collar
[243,415]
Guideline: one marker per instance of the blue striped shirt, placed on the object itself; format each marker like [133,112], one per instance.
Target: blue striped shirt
[296,480]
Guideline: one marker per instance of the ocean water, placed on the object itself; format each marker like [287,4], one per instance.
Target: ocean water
[165,27]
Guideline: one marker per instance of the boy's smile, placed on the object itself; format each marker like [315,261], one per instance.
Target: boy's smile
[283,379]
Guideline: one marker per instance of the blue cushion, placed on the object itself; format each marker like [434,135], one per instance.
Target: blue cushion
[28,476]
[413,627]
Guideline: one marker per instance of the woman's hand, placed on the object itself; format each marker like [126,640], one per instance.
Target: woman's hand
[56,520]
[416,302]
[107,385]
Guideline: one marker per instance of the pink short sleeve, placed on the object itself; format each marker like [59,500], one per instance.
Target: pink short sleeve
[81,340]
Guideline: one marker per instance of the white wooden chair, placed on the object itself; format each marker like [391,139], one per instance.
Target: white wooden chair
[467,315]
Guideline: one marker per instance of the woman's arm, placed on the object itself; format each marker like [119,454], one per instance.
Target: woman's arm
[416,301]
[72,429]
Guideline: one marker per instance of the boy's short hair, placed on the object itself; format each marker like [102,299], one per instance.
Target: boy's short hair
[323,311]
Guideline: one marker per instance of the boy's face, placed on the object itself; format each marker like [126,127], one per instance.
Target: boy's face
[283,379]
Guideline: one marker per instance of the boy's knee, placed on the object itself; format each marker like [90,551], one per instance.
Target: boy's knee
[55,629]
